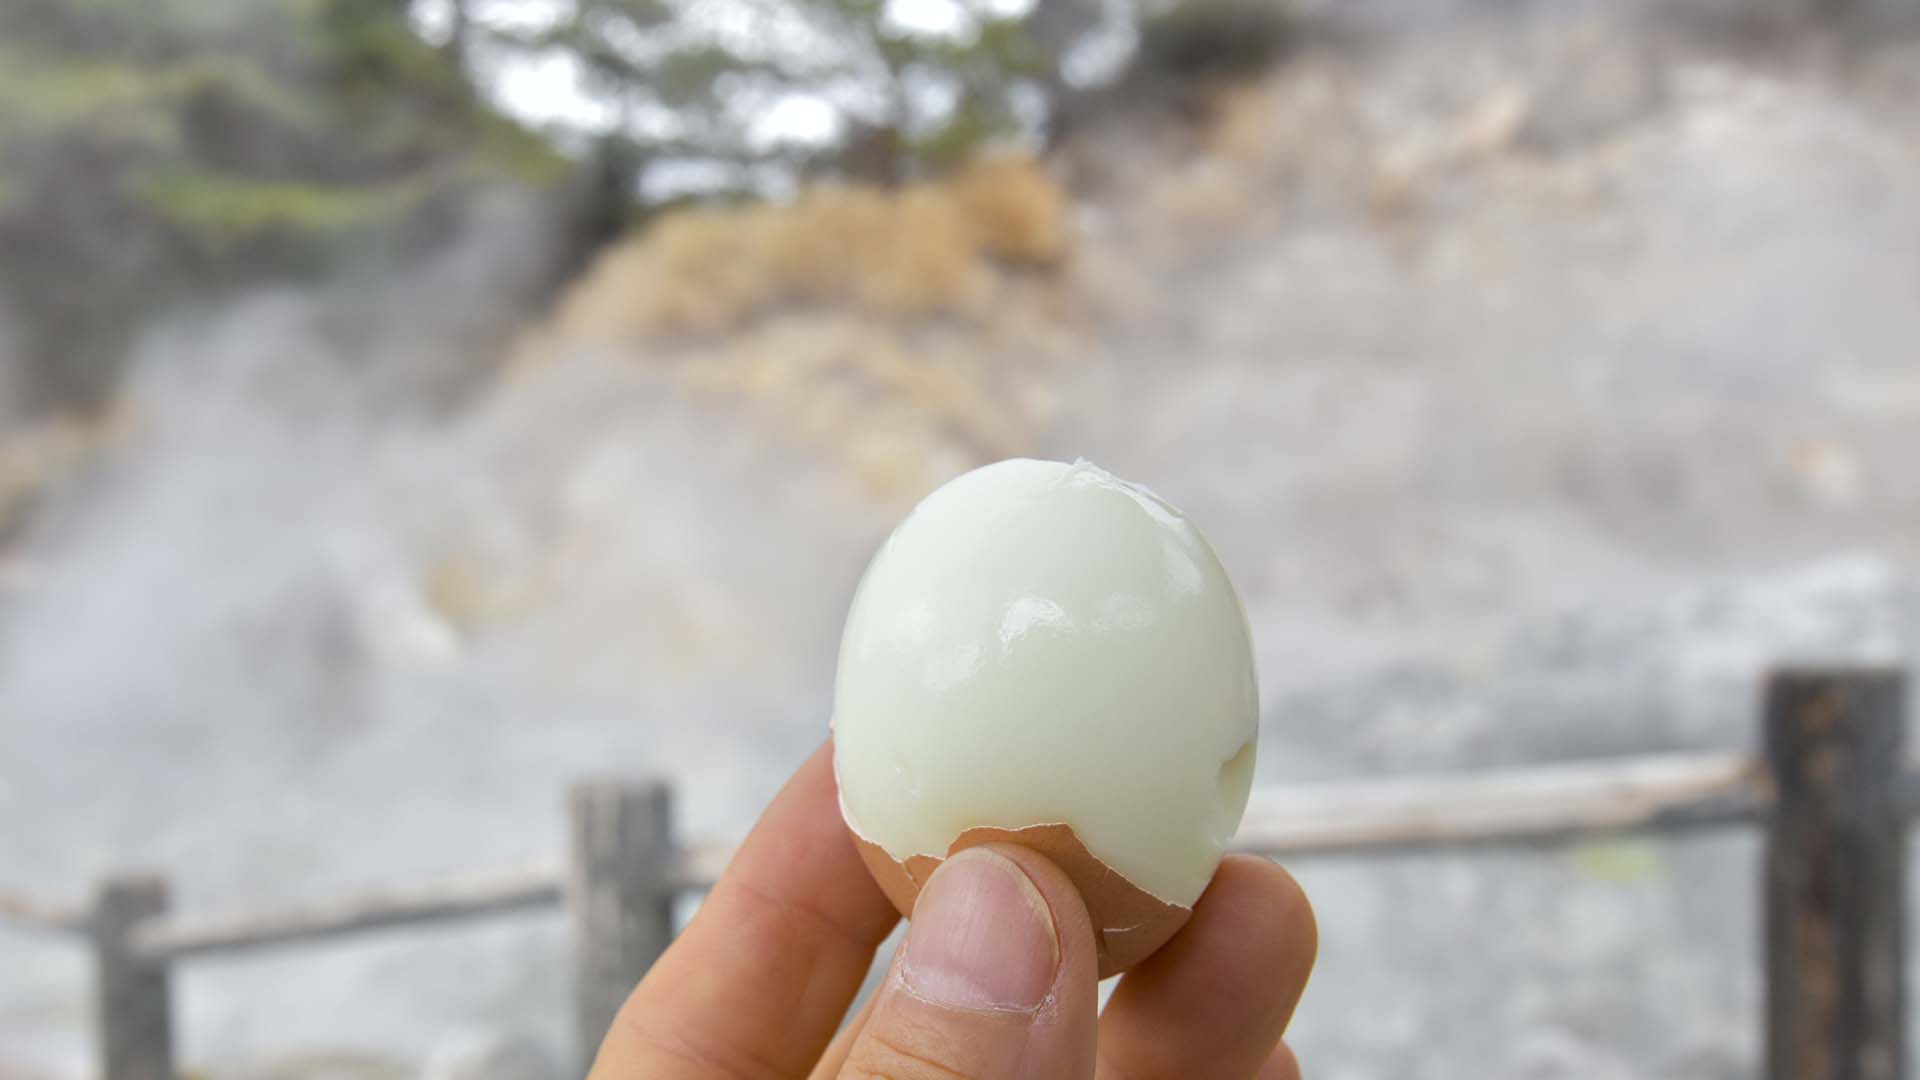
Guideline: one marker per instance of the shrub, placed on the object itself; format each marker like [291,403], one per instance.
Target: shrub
[922,250]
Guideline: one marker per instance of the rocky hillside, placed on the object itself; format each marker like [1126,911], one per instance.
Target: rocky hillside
[1539,382]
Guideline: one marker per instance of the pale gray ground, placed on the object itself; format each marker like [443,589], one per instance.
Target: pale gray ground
[1535,438]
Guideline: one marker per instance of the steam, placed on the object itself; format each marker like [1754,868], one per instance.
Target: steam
[1527,431]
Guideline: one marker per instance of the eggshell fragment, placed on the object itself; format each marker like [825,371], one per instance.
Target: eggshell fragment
[1132,924]
[1043,654]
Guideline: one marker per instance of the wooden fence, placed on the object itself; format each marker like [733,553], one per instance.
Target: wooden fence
[1830,788]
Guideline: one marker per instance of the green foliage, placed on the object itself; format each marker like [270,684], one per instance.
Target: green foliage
[43,96]
[225,210]
[659,58]
[117,100]
[969,126]
[152,149]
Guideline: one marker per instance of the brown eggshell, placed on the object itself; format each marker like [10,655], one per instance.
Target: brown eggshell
[1129,923]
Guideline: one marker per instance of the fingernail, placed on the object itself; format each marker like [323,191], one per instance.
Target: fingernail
[981,937]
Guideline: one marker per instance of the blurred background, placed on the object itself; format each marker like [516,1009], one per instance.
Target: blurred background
[407,408]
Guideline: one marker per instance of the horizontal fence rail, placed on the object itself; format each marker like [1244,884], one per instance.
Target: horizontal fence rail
[1543,804]
[1523,806]
[176,937]
[38,914]
[531,887]
[624,871]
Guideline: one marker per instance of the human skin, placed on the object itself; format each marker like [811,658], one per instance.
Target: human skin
[996,980]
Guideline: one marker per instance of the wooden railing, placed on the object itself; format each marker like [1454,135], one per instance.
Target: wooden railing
[1830,789]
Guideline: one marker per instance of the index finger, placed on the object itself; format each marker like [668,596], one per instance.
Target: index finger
[1215,1000]
[759,980]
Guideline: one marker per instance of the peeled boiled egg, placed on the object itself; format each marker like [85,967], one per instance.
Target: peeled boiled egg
[1045,654]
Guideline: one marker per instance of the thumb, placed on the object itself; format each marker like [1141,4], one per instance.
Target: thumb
[996,980]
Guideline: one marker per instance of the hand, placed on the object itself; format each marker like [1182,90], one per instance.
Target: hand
[995,980]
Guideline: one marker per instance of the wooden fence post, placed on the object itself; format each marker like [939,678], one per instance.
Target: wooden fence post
[1836,871]
[620,893]
[133,993]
